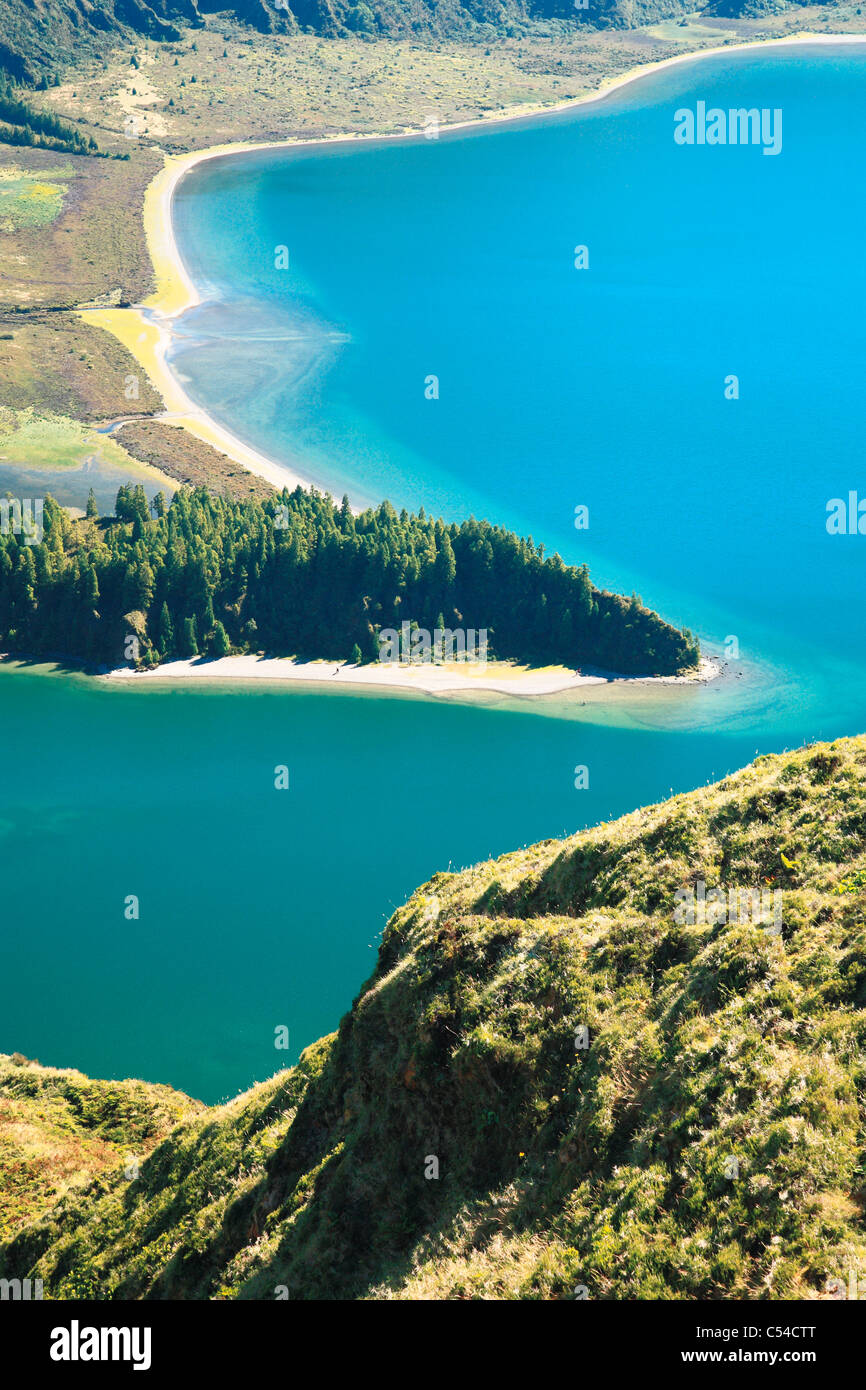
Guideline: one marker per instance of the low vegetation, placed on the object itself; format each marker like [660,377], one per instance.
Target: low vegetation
[53,442]
[460,1136]
[190,461]
[59,1130]
[91,250]
[31,200]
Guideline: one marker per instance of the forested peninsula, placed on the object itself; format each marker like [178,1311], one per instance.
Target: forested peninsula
[298,575]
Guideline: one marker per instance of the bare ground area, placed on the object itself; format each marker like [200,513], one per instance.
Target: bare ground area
[189,461]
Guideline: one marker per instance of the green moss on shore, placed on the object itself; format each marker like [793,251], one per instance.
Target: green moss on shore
[707,1144]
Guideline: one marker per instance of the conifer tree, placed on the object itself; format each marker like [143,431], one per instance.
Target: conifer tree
[220,644]
[165,631]
[190,640]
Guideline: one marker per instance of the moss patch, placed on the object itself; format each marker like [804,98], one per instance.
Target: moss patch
[31,200]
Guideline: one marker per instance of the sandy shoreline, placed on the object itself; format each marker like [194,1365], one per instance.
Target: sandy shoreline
[146,329]
[498,677]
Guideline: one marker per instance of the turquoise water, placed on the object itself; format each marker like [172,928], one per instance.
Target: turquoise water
[558,387]
[258,907]
[262,908]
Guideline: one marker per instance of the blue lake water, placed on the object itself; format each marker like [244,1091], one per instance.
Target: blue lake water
[604,387]
[557,387]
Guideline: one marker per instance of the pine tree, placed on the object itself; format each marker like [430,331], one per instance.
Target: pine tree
[139,503]
[190,640]
[92,511]
[371,644]
[165,631]
[220,644]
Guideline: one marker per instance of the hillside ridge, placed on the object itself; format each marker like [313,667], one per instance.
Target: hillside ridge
[565,1078]
[42,36]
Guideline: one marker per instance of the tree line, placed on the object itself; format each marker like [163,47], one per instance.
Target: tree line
[39,128]
[300,575]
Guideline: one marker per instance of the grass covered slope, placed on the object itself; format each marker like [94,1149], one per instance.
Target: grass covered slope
[59,1130]
[708,1143]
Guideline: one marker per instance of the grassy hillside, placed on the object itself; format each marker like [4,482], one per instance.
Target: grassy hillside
[40,35]
[59,1130]
[40,38]
[707,1143]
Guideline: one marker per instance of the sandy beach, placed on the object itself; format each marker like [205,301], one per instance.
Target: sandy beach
[499,677]
[146,329]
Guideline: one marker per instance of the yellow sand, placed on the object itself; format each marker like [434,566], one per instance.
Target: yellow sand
[500,677]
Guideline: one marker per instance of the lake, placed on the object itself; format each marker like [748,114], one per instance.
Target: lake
[557,387]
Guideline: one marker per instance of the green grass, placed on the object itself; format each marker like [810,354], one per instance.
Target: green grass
[29,439]
[31,200]
[59,1129]
[707,1144]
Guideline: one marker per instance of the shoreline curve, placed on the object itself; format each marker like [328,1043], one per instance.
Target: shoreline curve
[145,329]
